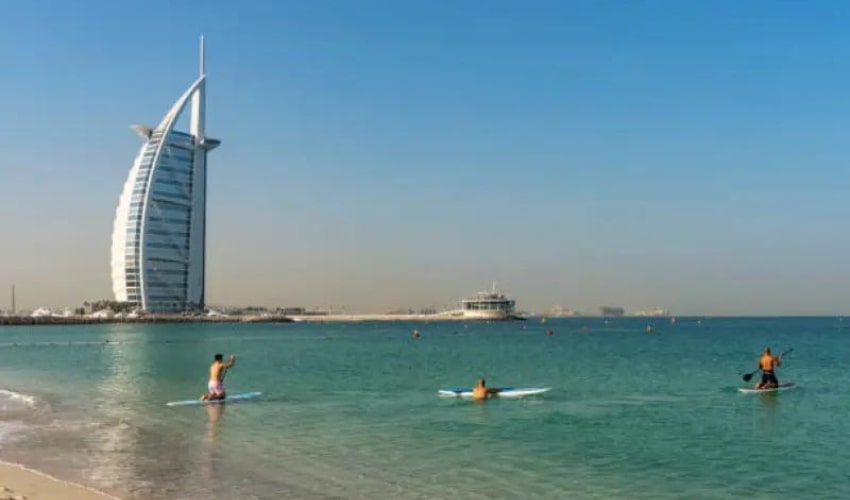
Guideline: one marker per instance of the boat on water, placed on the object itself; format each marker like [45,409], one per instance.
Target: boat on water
[489,306]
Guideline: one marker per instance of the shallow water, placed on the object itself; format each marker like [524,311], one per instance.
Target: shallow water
[351,411]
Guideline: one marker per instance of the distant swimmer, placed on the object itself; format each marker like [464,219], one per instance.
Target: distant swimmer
[416,334]
[649,329]
[218,369]
[767,365]
[481,391]
[549,332]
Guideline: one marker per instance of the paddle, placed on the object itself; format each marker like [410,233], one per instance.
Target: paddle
[749,376]
[230,362]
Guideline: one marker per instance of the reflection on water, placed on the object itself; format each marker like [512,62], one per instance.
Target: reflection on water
[214,414]
[117,381]
[769,403]
[209,456]
[770,400]
[137,446]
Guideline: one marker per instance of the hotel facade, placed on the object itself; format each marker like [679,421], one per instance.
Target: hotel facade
[159,232]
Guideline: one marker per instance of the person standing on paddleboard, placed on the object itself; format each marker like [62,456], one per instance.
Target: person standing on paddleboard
[216,384]
[767,365]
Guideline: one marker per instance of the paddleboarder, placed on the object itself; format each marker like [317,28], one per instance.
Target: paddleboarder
[215,386]
[481,391]
[767,365]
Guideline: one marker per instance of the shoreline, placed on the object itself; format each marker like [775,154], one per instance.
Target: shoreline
[333,318]
[19,482]
[84,320]
[354,318]
[307,318]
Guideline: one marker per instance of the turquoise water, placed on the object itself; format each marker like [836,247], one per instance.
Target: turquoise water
[350,410]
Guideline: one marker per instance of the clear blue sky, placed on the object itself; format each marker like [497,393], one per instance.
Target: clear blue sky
[685,155]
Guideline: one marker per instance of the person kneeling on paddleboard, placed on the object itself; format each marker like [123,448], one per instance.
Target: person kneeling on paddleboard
[767,364]
[216,384]
[481,391]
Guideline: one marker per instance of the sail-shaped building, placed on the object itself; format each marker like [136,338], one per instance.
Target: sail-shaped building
[159,233]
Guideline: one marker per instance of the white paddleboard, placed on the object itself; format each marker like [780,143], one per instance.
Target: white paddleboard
[229,399]
[507,392]
[782,387]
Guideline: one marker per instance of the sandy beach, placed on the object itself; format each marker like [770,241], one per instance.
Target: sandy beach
[20,483]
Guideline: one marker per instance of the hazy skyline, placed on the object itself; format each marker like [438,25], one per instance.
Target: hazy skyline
[376,155]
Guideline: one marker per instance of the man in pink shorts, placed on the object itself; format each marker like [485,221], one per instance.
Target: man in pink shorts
[215,386]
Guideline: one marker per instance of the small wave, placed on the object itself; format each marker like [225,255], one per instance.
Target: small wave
[16,397]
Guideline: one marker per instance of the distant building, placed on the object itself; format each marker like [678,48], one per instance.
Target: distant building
[560,312]
[41,312]
[292,311]
[102,314]
[612,311]
[159,233]
[400,311]
[652,313]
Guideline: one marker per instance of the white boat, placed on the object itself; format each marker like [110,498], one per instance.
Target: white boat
[489,306]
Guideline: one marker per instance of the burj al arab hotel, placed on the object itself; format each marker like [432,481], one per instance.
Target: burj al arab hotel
[159,233]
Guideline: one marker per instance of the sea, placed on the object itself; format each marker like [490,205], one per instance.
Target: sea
[351,410]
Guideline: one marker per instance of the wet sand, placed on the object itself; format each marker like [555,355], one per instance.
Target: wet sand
[20,483]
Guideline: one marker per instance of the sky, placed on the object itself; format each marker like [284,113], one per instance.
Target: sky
[380,154]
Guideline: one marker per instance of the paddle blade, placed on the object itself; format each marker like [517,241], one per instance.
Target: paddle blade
[747,377]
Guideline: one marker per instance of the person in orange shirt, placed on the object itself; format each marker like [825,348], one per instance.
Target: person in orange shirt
[767,365]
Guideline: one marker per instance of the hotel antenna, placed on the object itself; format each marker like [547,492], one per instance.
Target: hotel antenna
[203,69]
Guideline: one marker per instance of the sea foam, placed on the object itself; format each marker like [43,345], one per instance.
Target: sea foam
[10,400]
